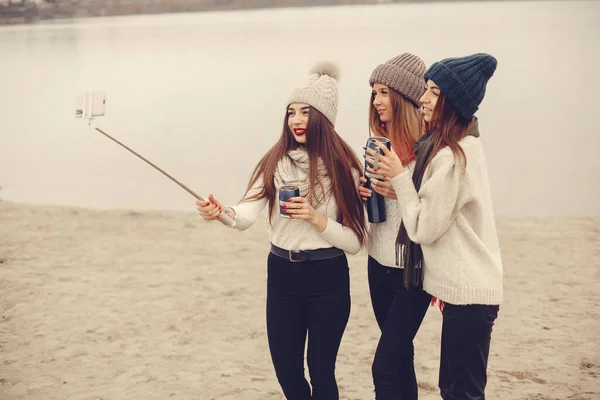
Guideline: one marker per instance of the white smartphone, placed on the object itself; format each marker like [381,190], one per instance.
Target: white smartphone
[90,104]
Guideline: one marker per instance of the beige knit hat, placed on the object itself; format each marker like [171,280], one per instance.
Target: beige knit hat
[319,89]
[404,74]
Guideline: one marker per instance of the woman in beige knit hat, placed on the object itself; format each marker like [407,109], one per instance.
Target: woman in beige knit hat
[308,284]
[398,305]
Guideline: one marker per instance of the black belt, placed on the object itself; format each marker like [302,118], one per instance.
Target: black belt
[306,255]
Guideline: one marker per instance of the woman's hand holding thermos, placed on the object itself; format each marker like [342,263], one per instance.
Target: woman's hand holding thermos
[389,164]
[384,188]
[300,208]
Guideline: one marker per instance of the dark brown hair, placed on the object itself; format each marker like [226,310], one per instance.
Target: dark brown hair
[404,128]
[447,129]
[341,164]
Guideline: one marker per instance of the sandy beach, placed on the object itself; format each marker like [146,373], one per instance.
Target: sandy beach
[100,304]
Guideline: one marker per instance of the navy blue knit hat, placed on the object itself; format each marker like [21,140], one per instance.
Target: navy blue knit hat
[463,80]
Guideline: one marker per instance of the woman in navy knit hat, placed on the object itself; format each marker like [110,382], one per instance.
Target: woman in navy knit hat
[448,221]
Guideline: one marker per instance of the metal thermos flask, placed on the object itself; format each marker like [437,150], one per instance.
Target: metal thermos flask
[285,193]
[375,203]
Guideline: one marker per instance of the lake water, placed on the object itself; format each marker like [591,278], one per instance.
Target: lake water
[204,94]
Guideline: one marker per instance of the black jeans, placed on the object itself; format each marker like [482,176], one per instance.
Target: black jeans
[399,312]
[313,298]
[466,336]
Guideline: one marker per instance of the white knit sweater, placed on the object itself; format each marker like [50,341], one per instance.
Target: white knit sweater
[452,218]
[381,243]
[293,234]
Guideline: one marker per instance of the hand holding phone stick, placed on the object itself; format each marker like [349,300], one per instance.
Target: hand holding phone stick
[90,108]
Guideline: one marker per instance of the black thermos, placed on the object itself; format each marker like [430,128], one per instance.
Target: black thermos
[375,203]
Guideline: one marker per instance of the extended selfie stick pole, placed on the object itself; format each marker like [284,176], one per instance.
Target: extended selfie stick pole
[222,217]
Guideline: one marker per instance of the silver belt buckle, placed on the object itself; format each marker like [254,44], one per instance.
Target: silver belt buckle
[291,258]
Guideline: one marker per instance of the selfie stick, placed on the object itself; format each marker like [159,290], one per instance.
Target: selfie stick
[222,216]
[92,104]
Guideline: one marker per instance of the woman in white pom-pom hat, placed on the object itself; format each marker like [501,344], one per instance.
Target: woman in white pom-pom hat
[308,284]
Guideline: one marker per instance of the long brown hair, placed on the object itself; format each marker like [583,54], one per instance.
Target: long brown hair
[341,164]
[405,127]
[447,129]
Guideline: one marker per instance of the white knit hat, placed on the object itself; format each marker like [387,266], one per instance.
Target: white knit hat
[319,89]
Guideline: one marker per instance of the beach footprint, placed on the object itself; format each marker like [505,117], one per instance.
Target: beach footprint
[85,396]
[5,384]
[590,367]
[520,375]
[584,396]
[237,394]
[44,384]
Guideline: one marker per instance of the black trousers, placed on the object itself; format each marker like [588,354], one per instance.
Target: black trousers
[466,336]
[399,312]
[307,298]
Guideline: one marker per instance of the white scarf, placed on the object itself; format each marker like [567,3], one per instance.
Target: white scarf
[292,169]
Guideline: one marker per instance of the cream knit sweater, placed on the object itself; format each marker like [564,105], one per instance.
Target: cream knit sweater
[381,243]
[292,234]
[452,218]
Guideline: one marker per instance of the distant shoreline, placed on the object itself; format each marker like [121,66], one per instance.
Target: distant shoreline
[31,11]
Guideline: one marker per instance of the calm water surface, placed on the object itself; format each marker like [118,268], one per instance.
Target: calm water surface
[204,96]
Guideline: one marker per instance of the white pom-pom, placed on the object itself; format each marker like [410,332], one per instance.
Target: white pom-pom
[326,68]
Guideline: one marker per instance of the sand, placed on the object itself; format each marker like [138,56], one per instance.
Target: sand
[105,305]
